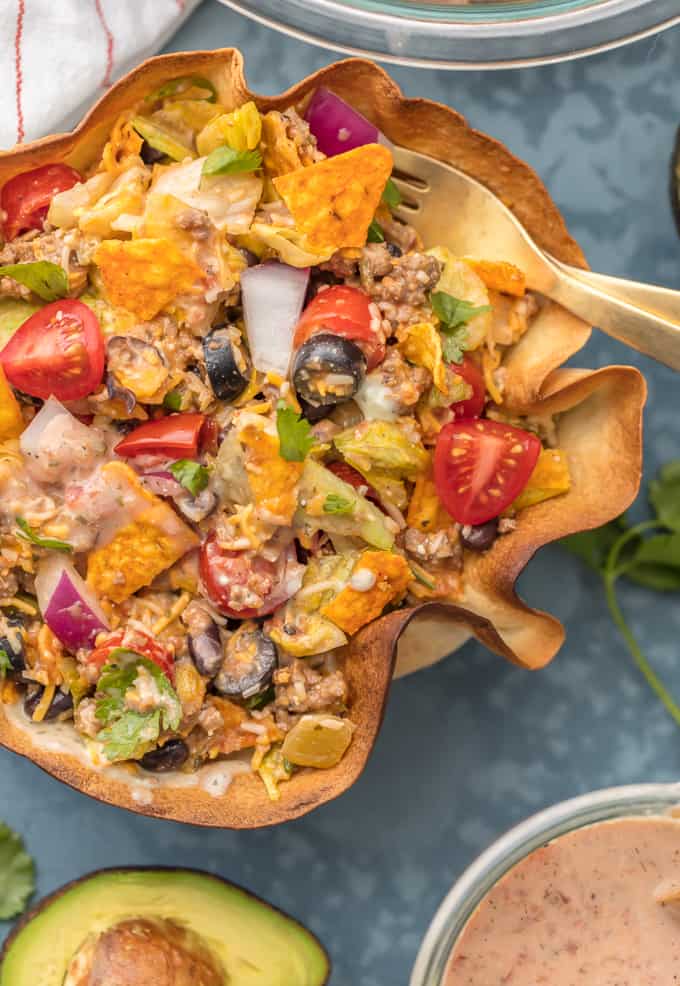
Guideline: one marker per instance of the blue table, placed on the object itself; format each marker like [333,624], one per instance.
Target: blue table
[473,745]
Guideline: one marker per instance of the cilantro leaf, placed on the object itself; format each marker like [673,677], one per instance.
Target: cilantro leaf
[172,400]
[656,563]
[130,733]
[664,495]
[295,433]
[17,874]
[47,280]
[191,475]
[391,195]
[227,161]
[454,315]
[375,233]
[454,344]
[28,534]
[592,547]
[336,504]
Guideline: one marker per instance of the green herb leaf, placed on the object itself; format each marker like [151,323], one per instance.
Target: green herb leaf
[47,280]
[336,504]
[592,547]
[375,233]
[5,663]
[172,400]
[664,495]
[420,575]
[454,344]
[453,312]
[191,475]
[130,734]
[28,534]
[17,874]
[295,434]
[227,161]
[391,195]
[127,731]
[656,563]
[260,700]
[181,85]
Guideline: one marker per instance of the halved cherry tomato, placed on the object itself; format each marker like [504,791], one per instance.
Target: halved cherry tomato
[229,575]
[346,312]
[480,467]
[26,198]
[472,375]
[135,640]
[172,435]
[209,438]
[350,475]
[58,350]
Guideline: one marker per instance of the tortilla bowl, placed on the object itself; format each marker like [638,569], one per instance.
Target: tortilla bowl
[598,424]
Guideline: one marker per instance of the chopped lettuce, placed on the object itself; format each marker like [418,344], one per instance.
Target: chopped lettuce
[13,313]
[365,521]
[383,447]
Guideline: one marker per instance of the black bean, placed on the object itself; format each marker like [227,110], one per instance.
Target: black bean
[171,756]
[61,703]
[206,650]
[481,536]
[394,250]
[150,155]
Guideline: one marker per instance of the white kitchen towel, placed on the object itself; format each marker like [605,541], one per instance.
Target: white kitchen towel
[57,57]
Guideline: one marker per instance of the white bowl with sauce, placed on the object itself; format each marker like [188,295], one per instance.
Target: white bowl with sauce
[642,801]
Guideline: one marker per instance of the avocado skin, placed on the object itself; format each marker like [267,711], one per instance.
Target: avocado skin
[317,954]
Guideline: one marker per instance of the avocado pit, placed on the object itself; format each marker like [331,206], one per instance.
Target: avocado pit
[145,952]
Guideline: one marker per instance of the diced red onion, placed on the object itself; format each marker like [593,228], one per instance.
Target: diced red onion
[273,296]
[69,607]
[161,483]
[337,126]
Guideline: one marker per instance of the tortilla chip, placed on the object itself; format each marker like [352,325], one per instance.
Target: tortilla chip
[273,480]
[145,275]
[421,344]
[426,512]
[353,608]
[334,201]
[549,478]
[500,276]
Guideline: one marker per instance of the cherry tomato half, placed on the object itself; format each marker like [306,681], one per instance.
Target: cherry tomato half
[138,641]
[58,350]
[346,312]
[481,466]
[173,435]
[472,375]
[228,575]
[26,198]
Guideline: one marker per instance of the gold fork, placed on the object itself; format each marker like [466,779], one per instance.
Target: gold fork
[453,210]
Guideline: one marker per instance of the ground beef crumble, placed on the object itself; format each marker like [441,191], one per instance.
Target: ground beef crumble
[402,292]
[435,546]
[299,689]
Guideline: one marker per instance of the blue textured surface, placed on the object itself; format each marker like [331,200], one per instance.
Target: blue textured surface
[472,745]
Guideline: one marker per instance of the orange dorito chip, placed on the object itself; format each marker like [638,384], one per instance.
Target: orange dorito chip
[144,276]
[273,480]
[334,201]
[500,276]
[380,577]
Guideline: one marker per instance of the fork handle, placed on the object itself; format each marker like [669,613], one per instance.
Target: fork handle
[642,316]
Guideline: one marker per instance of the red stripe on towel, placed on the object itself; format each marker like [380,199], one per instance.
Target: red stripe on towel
[18,71]
[106,81]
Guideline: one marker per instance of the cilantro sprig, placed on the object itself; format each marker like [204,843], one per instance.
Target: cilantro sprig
[17,874]
[648,554]
[27,533]
[454,315]
[295,433]
[128,732]
[375,232]
[191,475]
[227,161]
[391,195]
[47,280]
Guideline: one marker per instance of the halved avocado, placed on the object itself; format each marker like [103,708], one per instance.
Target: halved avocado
[122,923]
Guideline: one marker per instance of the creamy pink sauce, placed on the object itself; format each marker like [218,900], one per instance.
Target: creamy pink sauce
[591,908]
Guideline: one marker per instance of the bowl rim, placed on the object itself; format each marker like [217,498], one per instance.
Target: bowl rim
[515,844]
[572,27]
